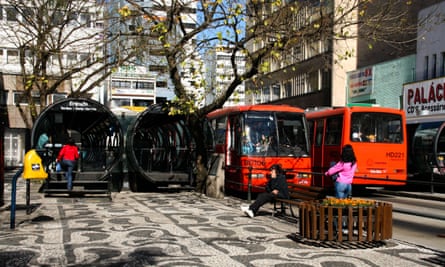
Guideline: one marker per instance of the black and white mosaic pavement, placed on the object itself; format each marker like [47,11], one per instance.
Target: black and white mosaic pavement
[174,229]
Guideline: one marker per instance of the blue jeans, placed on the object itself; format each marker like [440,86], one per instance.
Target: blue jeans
[342,190]
[69,166]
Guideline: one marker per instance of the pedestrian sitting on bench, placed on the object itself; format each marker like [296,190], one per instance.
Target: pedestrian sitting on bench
[276,187]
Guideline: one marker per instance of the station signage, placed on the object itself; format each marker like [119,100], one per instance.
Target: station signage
[77,106]
[424,98]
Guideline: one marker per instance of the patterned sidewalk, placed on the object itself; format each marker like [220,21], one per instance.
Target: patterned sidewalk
[173,229]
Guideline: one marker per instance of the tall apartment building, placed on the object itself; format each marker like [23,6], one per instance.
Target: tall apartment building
[312,74]
[145,80]
[219,74]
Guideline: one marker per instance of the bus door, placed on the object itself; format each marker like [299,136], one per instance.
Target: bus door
[317,151]
[332,145]
[232,167]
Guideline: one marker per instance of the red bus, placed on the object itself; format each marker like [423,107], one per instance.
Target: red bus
[250,139]
[378,136]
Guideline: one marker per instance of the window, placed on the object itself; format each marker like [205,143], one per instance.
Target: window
[12,56]
[11,14]
[145,85]
[319,134]
[333,130]
[313,81]
[85,19]
[376,127]
[434,66]
[121,84]
[219,127]
[71,58]
[442,64]
[19,98]
[158,68]
[57,18]
[161,84]
[157,52]
[142,102]
[29,56]
[85,58]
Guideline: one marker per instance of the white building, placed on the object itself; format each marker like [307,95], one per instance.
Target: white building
[219,75]
[150,66]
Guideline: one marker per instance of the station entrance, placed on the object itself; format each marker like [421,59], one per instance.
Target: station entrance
[96,132]
[160,151]
[427,149]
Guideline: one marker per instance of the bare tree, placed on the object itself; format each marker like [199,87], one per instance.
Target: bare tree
[61,44]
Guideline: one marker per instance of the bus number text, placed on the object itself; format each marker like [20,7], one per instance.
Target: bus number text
[395,155]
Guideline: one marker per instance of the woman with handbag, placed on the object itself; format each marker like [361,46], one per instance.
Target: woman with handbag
[344,170]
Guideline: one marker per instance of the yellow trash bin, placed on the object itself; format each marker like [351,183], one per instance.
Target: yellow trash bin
[32,166]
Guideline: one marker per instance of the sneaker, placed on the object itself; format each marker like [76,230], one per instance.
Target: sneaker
[244,208]
[250,213]
[345,231]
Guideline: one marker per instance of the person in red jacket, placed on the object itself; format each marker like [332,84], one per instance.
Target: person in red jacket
[67,157]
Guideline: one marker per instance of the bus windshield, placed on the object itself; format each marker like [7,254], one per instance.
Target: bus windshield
[274,134]
[376,127]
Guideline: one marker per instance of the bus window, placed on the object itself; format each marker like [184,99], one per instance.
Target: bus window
[376,127]
[333,131]
[291,135]
[319,134]
[274,134]
[258,133]
[220,130]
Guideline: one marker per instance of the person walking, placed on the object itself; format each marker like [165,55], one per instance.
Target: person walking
[344,172]
[276,187]
[68,156]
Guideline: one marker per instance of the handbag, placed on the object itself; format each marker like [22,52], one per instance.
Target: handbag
[58,167]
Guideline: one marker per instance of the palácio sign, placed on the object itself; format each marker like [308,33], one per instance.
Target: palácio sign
[425,97]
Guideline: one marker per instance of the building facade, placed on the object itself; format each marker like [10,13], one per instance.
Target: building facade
[317,72]
[149,67]
[219,75]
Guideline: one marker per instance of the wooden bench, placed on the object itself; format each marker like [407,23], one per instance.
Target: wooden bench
[297,194]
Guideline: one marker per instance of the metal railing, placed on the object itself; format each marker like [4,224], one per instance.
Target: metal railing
[431,183]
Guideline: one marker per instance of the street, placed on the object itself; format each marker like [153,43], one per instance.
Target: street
[417,220]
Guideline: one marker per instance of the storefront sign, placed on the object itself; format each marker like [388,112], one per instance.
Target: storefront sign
[360,82]
[424,98]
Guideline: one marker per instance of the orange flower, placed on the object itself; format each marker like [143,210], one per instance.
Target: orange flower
[347,202]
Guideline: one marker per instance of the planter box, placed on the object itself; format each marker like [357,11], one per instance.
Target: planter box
[345,223]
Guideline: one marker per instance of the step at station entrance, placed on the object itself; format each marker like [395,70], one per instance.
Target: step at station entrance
[97,134]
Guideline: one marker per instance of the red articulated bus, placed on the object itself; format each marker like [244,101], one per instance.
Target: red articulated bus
[378,136]
[252,138]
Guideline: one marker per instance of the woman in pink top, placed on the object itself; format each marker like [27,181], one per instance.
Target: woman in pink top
[67,157]
[344,169]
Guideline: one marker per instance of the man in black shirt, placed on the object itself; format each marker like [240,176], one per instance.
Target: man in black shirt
[275,188]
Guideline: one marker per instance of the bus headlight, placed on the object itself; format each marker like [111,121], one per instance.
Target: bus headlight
[303,175]
[257,175]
